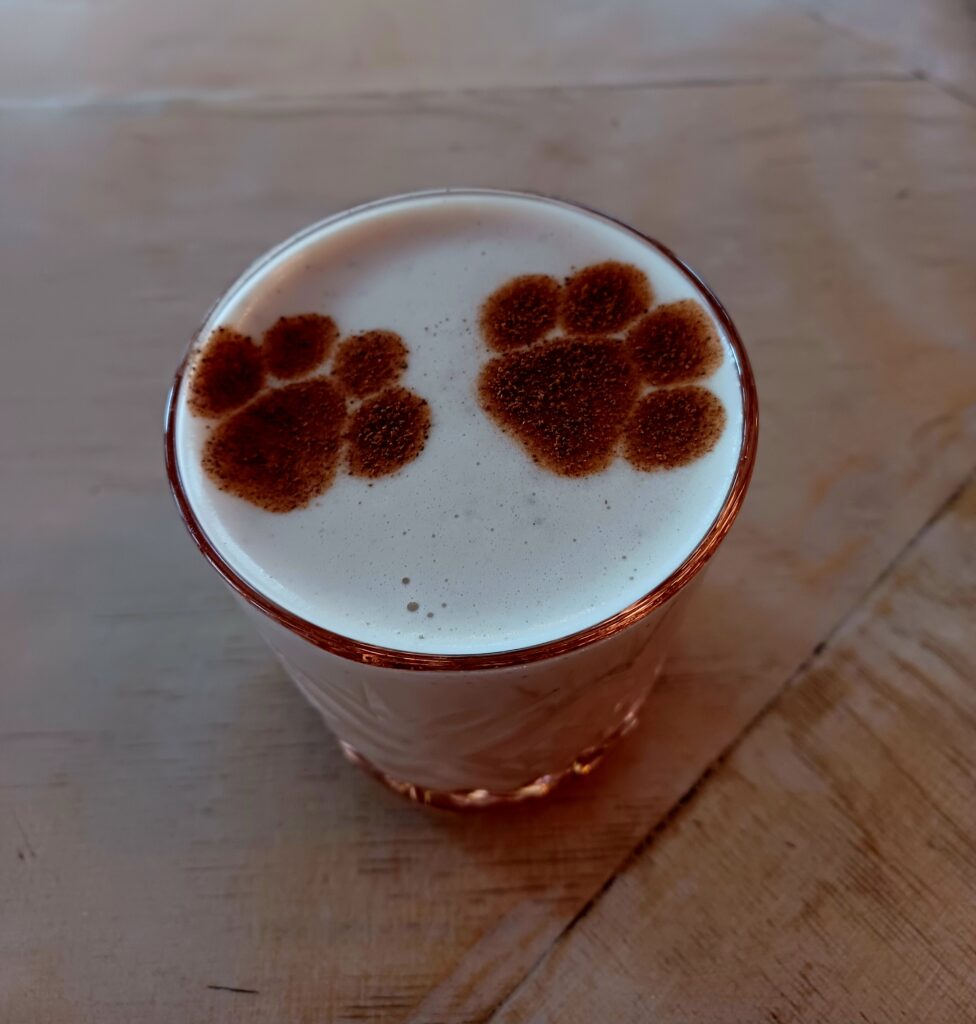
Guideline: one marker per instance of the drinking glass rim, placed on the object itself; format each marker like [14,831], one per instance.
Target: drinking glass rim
[390,657]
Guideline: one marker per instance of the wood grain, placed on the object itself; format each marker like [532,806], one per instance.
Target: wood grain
[129,51]
[935,39]
[827,871]
[174,823]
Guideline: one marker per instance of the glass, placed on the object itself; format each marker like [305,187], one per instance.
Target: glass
[468,730]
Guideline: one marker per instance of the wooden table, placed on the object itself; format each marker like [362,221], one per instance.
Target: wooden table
[791,833]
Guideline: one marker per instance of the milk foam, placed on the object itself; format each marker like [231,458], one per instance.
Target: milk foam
[498,553]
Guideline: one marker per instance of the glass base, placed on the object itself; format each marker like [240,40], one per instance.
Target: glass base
[475,799]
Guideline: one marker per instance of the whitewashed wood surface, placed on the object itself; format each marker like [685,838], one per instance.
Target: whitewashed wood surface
[126,50]
[174,823]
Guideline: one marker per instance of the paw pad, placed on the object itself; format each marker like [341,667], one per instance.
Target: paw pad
[589,369]
[279,445]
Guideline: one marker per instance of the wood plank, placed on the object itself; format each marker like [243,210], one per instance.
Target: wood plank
[827,870]
[936,38]
[89,51]
[184,821]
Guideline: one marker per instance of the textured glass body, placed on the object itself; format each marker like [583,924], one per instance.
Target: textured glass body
[476,735]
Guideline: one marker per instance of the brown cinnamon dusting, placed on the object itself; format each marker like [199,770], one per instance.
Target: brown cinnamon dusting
[370,361]
[566,402]
[675,343]
[228,373]
[295,345]
[673,427]
[282,450]
[604,297]
[386,432]
[573,402]
[520,312]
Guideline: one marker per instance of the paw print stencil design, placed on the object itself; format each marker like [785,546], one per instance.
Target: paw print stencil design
[283,428]
[589,369]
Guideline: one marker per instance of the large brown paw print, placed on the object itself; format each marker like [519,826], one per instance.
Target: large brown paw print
[589,368]
[281,432]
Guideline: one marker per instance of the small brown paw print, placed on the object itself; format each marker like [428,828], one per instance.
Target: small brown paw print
[590,368]
[281,432]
